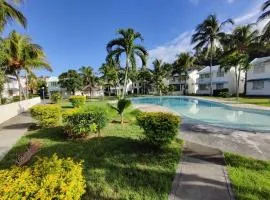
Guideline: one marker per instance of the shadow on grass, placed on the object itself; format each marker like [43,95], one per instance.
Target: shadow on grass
[114,167]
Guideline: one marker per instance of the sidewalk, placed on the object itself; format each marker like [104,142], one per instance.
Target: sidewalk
[12,130]
[201,175]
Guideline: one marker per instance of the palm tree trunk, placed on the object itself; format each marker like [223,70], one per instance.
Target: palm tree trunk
[238,83]
[211,63]
[21,92]
[245,86]
[126,77]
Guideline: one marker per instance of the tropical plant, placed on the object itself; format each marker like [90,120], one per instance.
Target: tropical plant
[265,15]
[88,77]
[125,44]
[71,80]
[183,62]
[2,83]
[10,13]
[242,39]
[145,77]
[20,53]
[160,72]
[209,34]
[56,98]
[109,74]
[122,105]
[77,101]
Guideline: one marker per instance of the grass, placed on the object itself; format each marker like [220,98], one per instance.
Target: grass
[250,178]
[246,100]
[116,166]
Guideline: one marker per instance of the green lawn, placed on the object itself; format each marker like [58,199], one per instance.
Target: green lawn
[116,166]
[250,178]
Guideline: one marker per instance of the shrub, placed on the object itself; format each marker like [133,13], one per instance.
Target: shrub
[68,112]
[159,128]
[3,100]
[218,91]
[46,115]
[82,123]
[48,178]
[56,98]
[77,101]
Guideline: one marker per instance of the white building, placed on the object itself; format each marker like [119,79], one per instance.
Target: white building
[179,83]
[11,86]
[258,77]
[220,80]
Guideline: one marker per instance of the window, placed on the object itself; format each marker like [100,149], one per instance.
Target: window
[258,85]
[203,76]
[204,86]
[220,73]
[54,84]
[260,68]
[219,86]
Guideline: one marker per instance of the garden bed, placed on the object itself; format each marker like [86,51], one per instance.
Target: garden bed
[117,165]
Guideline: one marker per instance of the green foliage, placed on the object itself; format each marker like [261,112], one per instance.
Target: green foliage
[71,80]
[56,98]
[47,115]
[82,123]
[48,178]
[249,177]
[218,92]
[122,105]
[77,101]
[159,128]
[2,81]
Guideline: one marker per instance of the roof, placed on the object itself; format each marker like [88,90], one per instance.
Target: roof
[258,79]
[260,60]
[207,69]
[52,79]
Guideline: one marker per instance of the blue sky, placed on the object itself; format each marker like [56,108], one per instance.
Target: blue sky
[75,33]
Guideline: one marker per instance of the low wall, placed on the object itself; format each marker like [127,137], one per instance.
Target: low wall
[11,110]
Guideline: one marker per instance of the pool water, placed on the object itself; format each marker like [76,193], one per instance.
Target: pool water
[212,113]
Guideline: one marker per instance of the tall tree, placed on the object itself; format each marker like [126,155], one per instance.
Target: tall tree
[10,13]
[160,72]
[184,62]
[209,34]
[71,80]
[265,15]
[19,53]
[125,44]
[88,77]
[145,77]
[242,40]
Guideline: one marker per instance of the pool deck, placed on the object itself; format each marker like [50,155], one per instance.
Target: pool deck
[251,144]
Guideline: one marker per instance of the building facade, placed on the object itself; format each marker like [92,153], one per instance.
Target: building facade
[258,77]
[11,86]
[178,81]
[220,80]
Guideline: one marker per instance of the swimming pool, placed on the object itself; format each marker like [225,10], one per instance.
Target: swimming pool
[218,114]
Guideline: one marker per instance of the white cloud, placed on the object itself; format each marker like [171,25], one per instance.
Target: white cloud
[196,2]
[168,51]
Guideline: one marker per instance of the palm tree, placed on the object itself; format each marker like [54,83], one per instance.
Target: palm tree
[160,72]
[18,54]
[209,34]
[125,44]
[88,76]
[10,13]
[122,105]
[183,62]
[242,39]
[265,15]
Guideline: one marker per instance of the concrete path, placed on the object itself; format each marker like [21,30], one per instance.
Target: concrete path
[12,130]
[201,175]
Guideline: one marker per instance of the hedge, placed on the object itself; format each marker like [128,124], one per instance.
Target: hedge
[77,101]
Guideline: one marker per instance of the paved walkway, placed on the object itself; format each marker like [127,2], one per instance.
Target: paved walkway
[201,175]
[12,130]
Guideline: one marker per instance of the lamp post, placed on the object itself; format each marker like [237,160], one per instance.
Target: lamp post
[43,94]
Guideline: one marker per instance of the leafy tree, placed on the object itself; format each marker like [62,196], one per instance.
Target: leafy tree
[125,44]
[160,72]
[2,82]
[242,39]
[145,77]
[209,34]
[19,53]
[71,80]
[265,15]
[122,105]
[10,13]
[235,60]
[109,74]
[182,64]
[88,77]
[41,83]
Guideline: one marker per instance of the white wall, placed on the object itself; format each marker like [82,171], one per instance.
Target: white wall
[13,109]
[264,92]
